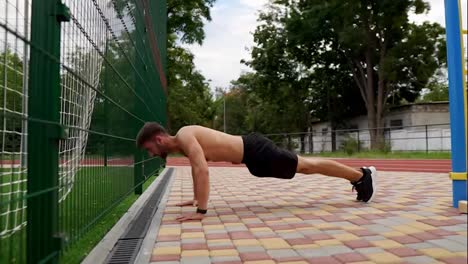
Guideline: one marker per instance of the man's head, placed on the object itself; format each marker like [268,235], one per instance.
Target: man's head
[154,139]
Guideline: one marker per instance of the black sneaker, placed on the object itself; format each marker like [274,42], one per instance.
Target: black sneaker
[366,186]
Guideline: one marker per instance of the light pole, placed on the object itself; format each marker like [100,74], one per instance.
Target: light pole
[224,109]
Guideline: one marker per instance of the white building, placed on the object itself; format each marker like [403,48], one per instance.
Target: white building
[411,127]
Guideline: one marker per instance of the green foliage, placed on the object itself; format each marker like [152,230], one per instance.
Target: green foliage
[11,98]
[350,145]
[345,57]
[437,92]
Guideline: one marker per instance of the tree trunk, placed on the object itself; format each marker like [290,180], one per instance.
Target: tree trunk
[371,111]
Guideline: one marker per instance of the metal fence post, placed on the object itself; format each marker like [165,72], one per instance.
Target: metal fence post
[427,141]
[358,142]
[43,245]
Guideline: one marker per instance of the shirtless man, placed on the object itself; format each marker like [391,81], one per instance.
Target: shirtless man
[262,157]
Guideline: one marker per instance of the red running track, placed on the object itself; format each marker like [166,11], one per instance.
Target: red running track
[411,165]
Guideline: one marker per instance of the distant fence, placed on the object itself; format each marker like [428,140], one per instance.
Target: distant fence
[433,137]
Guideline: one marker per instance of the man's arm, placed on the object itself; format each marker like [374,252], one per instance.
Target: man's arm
[194,152]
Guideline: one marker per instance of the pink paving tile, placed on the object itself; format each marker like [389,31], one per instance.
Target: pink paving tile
[215,247]
[442,232]
[406,239]
[241,235]
[307,216]
[299,241]
[350,257]
[299,225]
[225,213]
[230,221]
[332,218]
[372,216]
[353,244]
[255,225]
[433,222]
[323,260]
[455,260]
[360,221]
[194,246]
[155,258]
[281,227]
[315,237]
[217,236]
[362,232]
[254,256]
[168,238]
[425,236]
[404,252]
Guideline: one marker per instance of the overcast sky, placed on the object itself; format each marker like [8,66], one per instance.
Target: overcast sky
[229,34]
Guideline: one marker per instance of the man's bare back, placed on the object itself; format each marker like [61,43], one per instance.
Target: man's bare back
[216,145]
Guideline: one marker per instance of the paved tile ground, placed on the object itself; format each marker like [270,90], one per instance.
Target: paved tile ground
[313,219]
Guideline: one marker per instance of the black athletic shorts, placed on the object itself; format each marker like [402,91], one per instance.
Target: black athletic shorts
[264,159]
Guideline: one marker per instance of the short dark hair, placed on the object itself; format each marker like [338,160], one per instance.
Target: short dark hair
[149,130]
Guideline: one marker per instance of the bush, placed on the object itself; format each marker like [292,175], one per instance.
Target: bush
[350,145]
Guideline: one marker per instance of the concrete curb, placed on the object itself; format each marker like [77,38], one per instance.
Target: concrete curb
[105,246]
[147,246]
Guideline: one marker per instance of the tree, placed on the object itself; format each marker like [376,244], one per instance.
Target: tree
[386,54]
[11,99]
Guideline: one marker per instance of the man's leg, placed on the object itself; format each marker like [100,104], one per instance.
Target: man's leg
[328,168]
[363,180]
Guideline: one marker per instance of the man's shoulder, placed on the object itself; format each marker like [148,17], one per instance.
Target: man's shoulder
[191,129]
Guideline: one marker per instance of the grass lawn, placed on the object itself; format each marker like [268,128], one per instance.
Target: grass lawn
[99,197]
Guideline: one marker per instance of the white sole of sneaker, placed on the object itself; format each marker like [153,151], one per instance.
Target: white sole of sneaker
[374,182]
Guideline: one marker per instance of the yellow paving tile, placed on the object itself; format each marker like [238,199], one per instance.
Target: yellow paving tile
[233,224]
[292,220]
[386,244]
[219,240]
[384,257]
[440,217]
[193,235]
[324,226]
[195,253]
[246,242]
[393,234]
[462,254]
[352,227]
[422,226]
[307,228]
[407,229]
[223,252]
[413,216]
[437,252]
[362,262]
[286,231]
[274,243]
[345,237]
[169,231]
[321,213]
[274,222]
[328,242]
[166,251]
[260,229]
[294,262]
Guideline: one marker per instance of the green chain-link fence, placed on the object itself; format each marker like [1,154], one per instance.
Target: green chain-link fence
[77,81]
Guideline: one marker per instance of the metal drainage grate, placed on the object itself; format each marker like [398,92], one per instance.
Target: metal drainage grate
[125,251]
[127,247]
